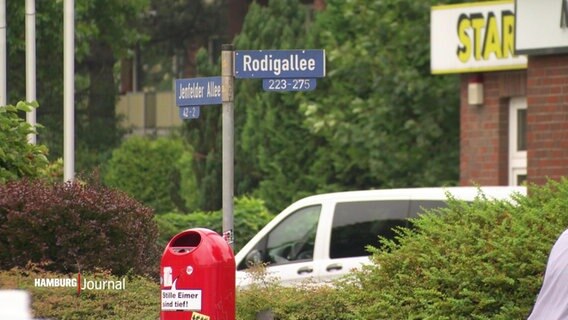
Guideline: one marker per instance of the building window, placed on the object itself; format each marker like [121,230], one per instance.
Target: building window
[517,141]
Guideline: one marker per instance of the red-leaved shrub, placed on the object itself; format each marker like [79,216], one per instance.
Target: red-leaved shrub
[73,226]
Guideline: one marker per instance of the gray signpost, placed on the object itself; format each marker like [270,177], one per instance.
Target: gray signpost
[228,93]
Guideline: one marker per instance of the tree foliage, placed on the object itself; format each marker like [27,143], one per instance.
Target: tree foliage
[387,121]
[176,30]
[274,150]
[378,119]
[204,135]
[18,158]
[108,29]
[104,30]
[181,24]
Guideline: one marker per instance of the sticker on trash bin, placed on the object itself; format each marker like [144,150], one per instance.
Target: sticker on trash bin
[185,300]
[228,236]
[167,278]
[199,316]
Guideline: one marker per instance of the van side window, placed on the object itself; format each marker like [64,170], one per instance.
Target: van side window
[358,224]
[291,240]
[418,207]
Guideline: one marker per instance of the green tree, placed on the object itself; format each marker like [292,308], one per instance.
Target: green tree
[49,66]
[177,29]
[275,149]
[204,135]
[18,158]
[386,120]
[108,30]
[378,119]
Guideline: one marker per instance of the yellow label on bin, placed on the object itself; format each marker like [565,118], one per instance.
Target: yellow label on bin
[199,316]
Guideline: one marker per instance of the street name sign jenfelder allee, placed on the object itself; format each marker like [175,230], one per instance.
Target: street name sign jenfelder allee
[198,91]
[195,92]
[281,70]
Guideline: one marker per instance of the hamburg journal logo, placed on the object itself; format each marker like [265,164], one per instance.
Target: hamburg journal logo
[81,283]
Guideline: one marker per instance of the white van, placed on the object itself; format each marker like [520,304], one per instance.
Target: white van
[323,237]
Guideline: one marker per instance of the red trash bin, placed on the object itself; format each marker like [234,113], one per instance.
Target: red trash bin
[197,277]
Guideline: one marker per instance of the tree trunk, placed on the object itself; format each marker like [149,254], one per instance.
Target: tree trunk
[101,118]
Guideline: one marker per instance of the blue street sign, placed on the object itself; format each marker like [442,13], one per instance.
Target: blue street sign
[288,84]
[277,64]
[189,112]
[198,91]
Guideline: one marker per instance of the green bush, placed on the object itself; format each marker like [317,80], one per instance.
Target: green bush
[478,261]
[250,216]
[305,301]
[156,172]
[18,158]
[140,299]
[73,227]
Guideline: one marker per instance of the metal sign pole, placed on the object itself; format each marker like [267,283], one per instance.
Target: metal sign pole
[228,97]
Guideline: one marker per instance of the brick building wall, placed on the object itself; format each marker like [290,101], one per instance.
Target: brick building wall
[547,118]
[484,144]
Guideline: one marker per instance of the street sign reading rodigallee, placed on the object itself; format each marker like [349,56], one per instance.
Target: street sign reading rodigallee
[198,91]
[276,64]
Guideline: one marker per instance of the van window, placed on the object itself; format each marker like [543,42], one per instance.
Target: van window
[358,224]
[291,240]
[418,207]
